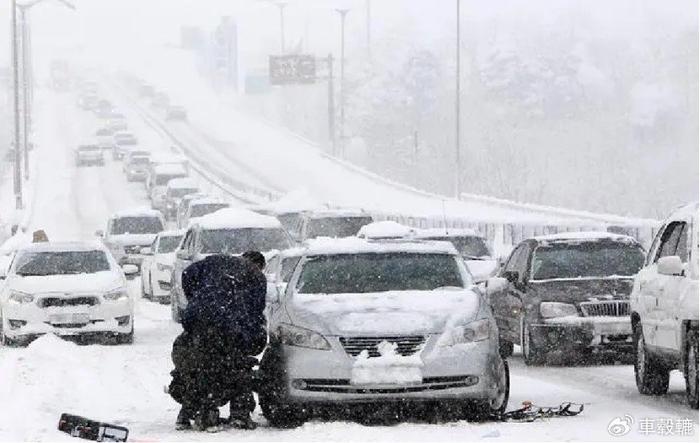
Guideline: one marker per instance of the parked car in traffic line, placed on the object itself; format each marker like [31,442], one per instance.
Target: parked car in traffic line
[122,140]
[136,163]
[67,289]
[157,266]
[89,155]
[470,245]
[227,231]
[175,113]
[130,230]
[335,223]
[568,293]
[199,207]
[174,191]
[664,307]
[157,181]
[381,322]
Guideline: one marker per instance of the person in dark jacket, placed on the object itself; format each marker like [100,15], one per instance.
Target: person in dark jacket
[224,326]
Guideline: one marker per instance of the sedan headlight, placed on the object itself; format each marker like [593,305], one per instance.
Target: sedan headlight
[21,297]
[302,337]
[117,294]
[478,330]
[556,309]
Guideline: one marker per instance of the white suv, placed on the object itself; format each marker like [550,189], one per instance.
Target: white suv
[664,307]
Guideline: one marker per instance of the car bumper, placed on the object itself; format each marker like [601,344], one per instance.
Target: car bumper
[29,320]
[461,372]
[583,332]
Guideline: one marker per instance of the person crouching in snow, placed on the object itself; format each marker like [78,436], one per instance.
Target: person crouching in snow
[224,327]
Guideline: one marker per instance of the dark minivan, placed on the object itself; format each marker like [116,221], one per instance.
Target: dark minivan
[566,292]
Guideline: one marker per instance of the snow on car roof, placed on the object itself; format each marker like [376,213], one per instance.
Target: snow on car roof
[446,232]
[169,168]
[298,200]
[182,183]
[684,212]
[354,245]
[64,246]
[385,229]
[583,236]
[137,212]
[233,218]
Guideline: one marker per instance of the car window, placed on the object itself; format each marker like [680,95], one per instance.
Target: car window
[513,261]
[669,240]
[60,263]
[682,247]
[654,246]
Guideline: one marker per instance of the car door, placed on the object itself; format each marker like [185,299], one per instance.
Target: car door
[670,288]
[652,284]
[181,262]
[506,302]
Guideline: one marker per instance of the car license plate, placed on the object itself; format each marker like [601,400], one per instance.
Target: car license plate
[62,319]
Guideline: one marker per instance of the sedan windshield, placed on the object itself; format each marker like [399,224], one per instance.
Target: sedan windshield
[336,226]
[163,179]
[204,209]
[587,259]
[136,225]
[238,241]
[468,246]
[61,263]
[362,273]
[180,192]
[168,244]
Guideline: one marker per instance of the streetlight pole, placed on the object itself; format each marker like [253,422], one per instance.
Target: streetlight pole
[368,28]
[25,88]
[343,13]
[458,169]
[15,83]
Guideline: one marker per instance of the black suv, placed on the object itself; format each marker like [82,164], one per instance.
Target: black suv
[566,292]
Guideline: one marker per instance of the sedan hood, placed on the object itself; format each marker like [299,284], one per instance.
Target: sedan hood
[132,239]
[76,283]
[583,289]
[384,313]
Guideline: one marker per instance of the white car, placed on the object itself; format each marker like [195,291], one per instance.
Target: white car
[130,230]
[157,266]
[664,307]
[68,289]
[199,207]
[89,155]
[157,180]
[174,191]
[387,323]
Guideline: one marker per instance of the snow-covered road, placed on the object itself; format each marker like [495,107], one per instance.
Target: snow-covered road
[124,384]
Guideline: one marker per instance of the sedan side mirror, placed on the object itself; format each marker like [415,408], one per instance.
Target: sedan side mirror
[130,270]
[496,284]
[182,254]
[670,265]
[100,233]
[146,251]
[272,295]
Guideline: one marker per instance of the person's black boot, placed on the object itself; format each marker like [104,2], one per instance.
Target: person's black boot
[182,422]
[208,420]
[241,421]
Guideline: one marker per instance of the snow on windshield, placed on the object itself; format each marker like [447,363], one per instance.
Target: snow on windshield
[362,273]
[586,259]
[30,264]
[136,225]
[238,241]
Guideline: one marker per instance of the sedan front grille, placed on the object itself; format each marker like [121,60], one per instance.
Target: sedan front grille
[613,308]
[405,345]
[50,302]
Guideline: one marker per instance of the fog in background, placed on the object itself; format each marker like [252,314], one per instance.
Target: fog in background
[585,104]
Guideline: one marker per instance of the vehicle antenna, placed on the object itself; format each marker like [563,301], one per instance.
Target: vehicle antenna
[444,217]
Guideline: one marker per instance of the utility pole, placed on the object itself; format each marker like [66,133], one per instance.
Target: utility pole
[15,82]
[331,105]
[25,89]
[343,13]
[281,5]
[458,166]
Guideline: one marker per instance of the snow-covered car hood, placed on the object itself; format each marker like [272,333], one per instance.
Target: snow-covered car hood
[132,239]
[385,313]
[481,270]
[77,283]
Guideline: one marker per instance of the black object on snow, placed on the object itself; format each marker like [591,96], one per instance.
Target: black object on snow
[82,427]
